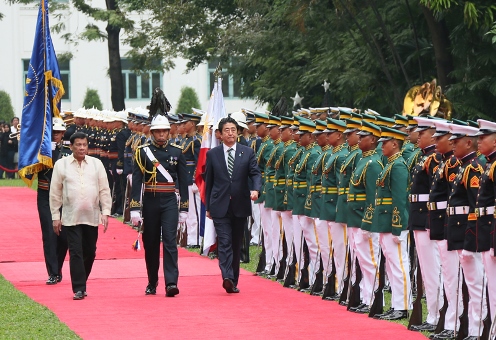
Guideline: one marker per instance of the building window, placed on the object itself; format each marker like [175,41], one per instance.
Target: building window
[139,86]
[65,75]
[231,86]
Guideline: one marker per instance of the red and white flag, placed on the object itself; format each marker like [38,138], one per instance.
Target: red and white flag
[216,111]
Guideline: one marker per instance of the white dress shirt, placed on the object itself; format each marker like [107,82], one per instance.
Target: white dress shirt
[81,189]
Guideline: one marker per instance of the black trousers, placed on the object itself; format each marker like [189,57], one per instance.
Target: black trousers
[119,188]
[229,231]
[54,247]
[160,217]
[82,251]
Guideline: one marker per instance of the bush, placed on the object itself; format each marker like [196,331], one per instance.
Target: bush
[6,108]
[187,100]
[92,99]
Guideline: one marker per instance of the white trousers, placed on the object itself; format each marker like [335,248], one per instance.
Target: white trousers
[399,265]
[266,225]
[324,241]
[449,268]
[473,271]
[490,267]
[339,242]
[193,217]
[255,228]
[430,266]
[287,224]
[308,229]
[367,250]
[298,243]
[276,239]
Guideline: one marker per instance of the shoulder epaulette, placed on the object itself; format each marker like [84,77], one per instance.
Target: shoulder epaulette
[176,145]
[143,145]
[491,171]
[428,160]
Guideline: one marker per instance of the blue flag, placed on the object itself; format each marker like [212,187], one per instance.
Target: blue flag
[44,90]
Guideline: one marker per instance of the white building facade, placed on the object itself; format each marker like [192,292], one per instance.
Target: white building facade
[88,67]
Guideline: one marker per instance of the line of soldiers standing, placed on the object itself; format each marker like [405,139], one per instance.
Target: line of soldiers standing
[348,198]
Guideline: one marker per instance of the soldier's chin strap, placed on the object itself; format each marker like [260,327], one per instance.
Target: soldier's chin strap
[157,164]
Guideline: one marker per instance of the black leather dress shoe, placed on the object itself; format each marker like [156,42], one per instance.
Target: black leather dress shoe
[235,290]
[59,278]
[444,335]
[334,297]
[228,285]
[425,327]
[360,306]
[171,290]
[52,280]
[378,316]
[78,296]
[363,310]
[396,315]
[151,289]
[471,337]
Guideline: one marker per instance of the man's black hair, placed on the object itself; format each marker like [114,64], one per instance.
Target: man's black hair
[226,120]
[78,135]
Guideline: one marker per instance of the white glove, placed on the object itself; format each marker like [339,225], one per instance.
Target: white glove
[367,235]
[119,171]
[130,179]
[183,216]
[136,217]
[194,188]
[396,239]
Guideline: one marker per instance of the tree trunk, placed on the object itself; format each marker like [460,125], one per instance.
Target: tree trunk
[442,51]
[115,69]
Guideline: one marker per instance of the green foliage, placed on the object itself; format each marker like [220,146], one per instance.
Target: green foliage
[6,108]
[92,99]
[187,100]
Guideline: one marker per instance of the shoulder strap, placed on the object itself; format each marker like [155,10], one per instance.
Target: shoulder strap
[157,164]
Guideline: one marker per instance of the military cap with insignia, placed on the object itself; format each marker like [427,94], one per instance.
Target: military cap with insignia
[442,128]
[388,133]
[372,112]
[320,127]
[319,109]
[369,118]
[412,123]
[306,125]
[335,125]
[369,129]
[286,122]
[344,112]
[384,121]
[274,121]
[460,131]
[424,123]
[400,121]
[486,127]
[296,122]
[352,125]
[459,122]
[260,118]
[472,123]
[191,117]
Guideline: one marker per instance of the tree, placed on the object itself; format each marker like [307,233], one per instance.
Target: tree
[6,108]
[187,100]
[92,99]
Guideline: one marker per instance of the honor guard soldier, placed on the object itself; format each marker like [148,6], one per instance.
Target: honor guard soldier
[363,244]
[401,124]
[122,134]
[429,260]
[438,202]
[390,218]
[159,166]
[261,122]
[462,223]
[54,247]
[349,164]
[174,136]
[413,137]
[313,206]
[191,149]
[330,188]
[485,208]
[301,191]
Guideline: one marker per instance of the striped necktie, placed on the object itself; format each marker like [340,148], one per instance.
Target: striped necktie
[230,161]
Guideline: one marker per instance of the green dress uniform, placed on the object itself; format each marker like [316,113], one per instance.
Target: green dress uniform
[347,168]
[313,202]
[330,178]
[407,150]
[302,178]
[263,155]
[282,168]
[270,176]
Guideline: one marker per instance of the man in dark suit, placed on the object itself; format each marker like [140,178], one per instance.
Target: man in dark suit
[228,193]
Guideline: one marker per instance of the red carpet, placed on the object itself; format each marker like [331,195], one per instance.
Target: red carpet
[116,307]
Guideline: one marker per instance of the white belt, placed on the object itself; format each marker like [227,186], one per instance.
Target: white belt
[462,210]
[419,198]
[157,164]
[484,211]
[437,205]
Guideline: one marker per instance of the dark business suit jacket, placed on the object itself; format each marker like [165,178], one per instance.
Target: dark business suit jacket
[222,190]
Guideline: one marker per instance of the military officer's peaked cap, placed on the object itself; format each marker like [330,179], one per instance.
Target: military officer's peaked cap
[319,109]
[334,125]
[345,113]
[372,112]
[320,127]
[384,121]
[352,125]
[424,123]
[286,122]
[250,117]
[442,128]
[296,123]
[306,125]
[388,133]
[334,109]
[460,131]
[173,118]
[486,127]
[412,123]
[400,121]
[369,129]
[369,118]
[274,121]
[261,118]
[191,117]
[459,122]
[472,123]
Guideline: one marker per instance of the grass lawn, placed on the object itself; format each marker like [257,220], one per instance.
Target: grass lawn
[17,182]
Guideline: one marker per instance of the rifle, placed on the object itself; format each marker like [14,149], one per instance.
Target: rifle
[463,331]
[304,279]
[289,275]
[261,259]
[346,280]
[330,286]
[127,198]
[282,262]
[354,290]
[487,320]
[319,277]
[442,315]
[376,306]
[416,316]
